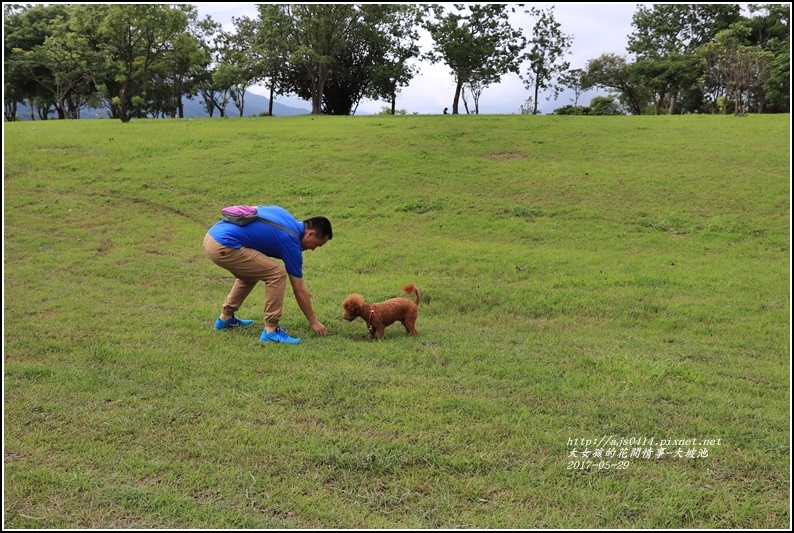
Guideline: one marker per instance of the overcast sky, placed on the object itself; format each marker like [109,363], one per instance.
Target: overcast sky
[595,29]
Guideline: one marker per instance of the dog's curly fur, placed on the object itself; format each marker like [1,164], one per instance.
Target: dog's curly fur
[380,315]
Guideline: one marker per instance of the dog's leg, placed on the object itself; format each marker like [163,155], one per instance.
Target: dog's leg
[410,322]
[410,328]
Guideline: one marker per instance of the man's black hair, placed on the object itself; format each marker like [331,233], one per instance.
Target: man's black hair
[321,225]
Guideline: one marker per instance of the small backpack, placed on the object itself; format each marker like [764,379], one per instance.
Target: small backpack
[242,215]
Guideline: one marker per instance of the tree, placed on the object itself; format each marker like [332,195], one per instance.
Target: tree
[476,41]
[670,34]
[476,89]
[271,42]
[27,72]
[181,69]
[777,90]
[741,68]
[72,60]
[548,46]
[527,107]
[12,92]
[573,79]
[209,37]
[349,75]
[604,105]
[392,32]
[135,36]
[240,60]
[663,78]
[86,20]
[315,34]
[770,30]
[335,56]
[665,29]
[374,61]
[611,71]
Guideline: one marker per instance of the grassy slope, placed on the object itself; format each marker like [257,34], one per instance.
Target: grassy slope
[582,277]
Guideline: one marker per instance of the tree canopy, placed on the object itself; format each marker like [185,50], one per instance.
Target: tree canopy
[142,60]
[477,43]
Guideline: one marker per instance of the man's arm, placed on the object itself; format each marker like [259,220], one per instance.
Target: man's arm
[304,300]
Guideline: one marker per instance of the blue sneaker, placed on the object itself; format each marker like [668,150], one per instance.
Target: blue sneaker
[232,323]
[280,335]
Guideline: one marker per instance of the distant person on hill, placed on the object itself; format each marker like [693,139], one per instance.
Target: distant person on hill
[248,252]
[446,110]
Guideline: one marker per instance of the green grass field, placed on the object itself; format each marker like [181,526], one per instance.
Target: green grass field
[601,295]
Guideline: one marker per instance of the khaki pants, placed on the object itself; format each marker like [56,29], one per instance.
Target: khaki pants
[250,267]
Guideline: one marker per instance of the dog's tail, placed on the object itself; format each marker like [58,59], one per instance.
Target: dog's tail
[411,288]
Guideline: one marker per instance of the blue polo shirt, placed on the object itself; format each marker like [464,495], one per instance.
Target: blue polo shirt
[270,240]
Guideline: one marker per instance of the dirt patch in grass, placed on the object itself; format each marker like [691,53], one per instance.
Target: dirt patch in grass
[497,156]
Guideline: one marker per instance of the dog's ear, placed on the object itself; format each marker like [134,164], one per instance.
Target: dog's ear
[349,303]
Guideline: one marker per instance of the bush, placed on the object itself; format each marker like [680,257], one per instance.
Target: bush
[386,110]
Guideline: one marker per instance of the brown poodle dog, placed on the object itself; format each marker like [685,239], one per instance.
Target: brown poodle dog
[380,315]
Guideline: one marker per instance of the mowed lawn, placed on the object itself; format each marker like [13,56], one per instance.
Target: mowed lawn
[604,331]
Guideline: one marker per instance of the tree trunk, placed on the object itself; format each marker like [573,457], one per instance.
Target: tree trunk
[535,101]
[457,98]
[318,85]
[671,103]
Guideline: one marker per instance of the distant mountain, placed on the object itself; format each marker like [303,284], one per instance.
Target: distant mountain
[254,105]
